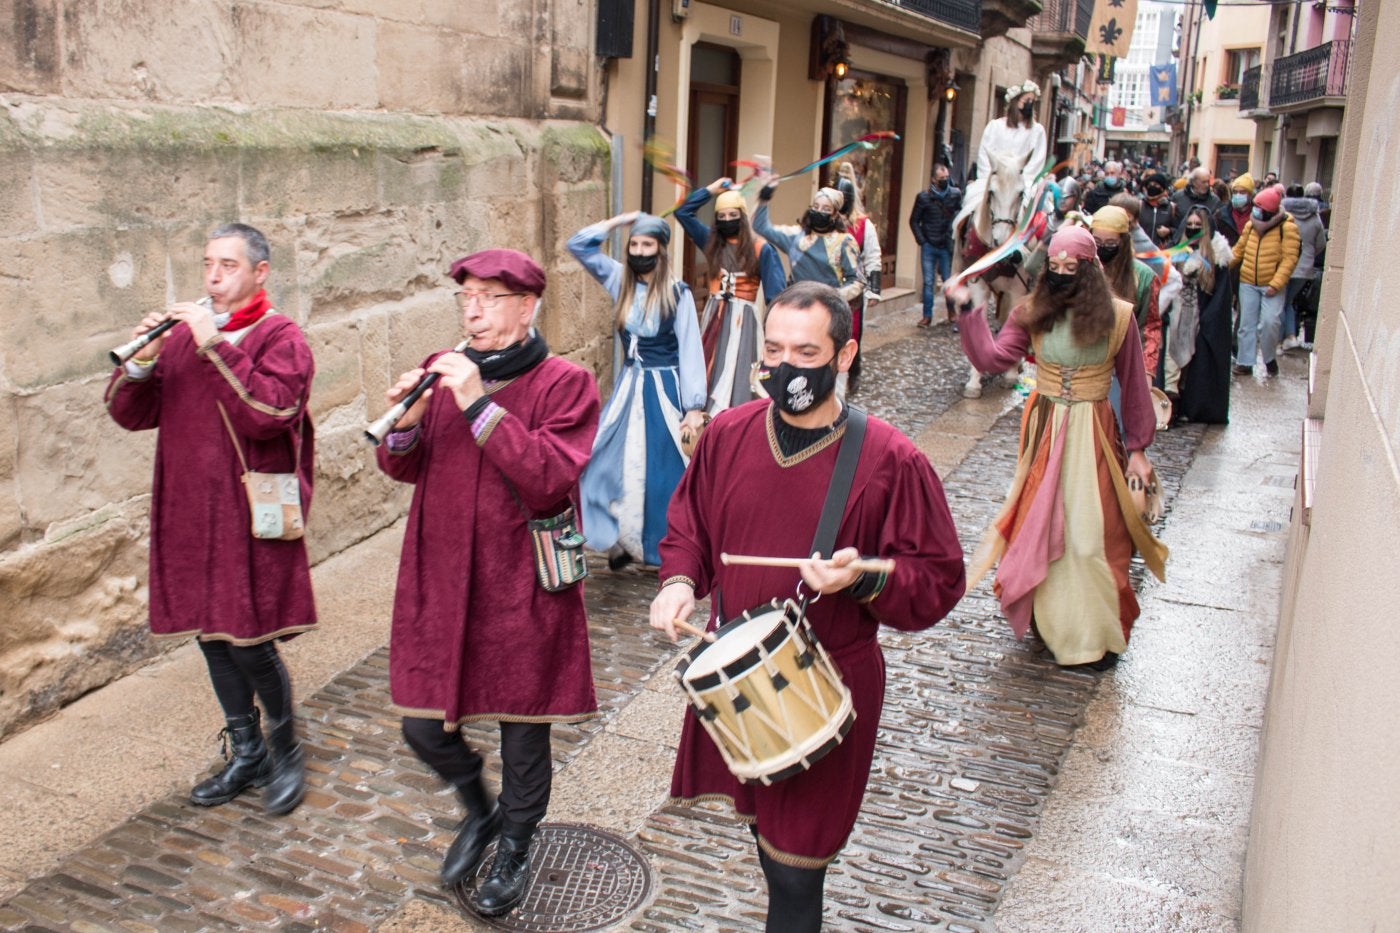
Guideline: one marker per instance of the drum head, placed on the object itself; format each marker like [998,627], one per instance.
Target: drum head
[734,645]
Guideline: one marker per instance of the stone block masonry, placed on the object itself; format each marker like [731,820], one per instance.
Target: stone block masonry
[106,208]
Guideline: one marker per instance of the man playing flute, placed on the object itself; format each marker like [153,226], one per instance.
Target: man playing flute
[500,439]
[228,384]
[756,486]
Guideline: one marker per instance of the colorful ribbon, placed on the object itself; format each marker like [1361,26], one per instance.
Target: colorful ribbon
[1022,233]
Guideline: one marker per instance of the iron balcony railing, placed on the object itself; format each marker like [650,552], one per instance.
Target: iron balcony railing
[1311,75]
[1063,16]
[1249,88]
[964,14]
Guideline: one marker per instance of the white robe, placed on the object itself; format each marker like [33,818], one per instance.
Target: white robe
[998,138]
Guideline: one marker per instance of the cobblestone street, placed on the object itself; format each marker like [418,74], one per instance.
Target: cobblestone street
[976,730]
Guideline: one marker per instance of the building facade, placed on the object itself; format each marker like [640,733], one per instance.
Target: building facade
[1142,133]
[1324,841]
[1219,54]
[1297,94]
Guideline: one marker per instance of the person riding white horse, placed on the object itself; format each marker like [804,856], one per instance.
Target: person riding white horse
[1018,135]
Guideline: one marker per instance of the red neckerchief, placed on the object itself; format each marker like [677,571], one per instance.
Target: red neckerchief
[250,313]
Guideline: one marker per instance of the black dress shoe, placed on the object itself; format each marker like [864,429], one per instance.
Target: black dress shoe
[465,853]
[506,884]
[619,559]
[1272,367]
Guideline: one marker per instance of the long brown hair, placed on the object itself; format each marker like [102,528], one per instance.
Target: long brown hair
[746,253]
[1088,303]
[661,290]
[1122,280]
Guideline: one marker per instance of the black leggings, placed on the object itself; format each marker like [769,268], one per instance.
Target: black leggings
[794,894]
[526,769]
[239,670]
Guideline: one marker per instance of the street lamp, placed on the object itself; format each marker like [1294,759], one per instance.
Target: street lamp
[950,93]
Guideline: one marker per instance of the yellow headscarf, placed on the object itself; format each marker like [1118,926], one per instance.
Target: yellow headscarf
[1111,217]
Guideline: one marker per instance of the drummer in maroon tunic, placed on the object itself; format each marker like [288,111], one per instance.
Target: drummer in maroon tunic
[756,486]
[210,577]
[503,435]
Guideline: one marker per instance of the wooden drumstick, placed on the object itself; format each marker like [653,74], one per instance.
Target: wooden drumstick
[882,565]
[692,630]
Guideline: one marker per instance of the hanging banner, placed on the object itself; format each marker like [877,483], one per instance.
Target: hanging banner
[1161,83]
[1107,65]
[1119,117]
[1111,29]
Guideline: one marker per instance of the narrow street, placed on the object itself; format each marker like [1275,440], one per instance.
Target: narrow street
[1006,794]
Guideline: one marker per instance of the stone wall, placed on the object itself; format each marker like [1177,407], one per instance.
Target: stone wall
[373,148]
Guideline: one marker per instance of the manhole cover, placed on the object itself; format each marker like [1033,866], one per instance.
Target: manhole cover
[581,878]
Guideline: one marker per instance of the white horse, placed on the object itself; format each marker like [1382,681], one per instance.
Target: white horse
[993,221]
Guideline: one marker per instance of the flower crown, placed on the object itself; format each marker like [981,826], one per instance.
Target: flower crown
[1016,90]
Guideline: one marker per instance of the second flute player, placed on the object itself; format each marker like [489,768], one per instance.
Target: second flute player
[494,451]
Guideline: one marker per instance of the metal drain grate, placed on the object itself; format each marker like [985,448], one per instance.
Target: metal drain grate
[581,878]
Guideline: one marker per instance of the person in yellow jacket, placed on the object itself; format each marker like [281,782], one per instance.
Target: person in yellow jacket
[1265,254]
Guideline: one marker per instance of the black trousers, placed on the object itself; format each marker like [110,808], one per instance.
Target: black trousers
[239,671]
[526,769]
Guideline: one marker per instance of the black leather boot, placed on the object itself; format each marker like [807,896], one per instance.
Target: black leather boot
[287,779]
[483,823]
[509,878]
[247,768]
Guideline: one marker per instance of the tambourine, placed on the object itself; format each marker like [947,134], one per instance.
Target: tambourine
[1147,496]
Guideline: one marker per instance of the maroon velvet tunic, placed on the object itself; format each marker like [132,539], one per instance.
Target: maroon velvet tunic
[209,576]
[738,497]
[474,635]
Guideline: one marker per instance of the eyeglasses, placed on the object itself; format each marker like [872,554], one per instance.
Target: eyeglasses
[485,300]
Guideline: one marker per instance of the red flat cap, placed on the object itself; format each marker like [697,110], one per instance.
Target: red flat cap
[518,271]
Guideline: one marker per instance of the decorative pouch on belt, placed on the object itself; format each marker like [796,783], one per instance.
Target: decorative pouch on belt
[559,558]
[274,499]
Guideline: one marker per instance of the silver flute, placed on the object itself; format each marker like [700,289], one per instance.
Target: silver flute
[376,432]
[126,351]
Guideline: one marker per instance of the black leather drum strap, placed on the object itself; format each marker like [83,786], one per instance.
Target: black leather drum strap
[838,493]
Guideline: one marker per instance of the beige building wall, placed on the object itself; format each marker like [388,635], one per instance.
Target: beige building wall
[1324,847]
[372,142]
[1217,121]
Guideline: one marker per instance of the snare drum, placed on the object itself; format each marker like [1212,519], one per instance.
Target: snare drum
[767,693]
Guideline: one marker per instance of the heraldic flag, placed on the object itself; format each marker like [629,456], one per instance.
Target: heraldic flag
[1111,29]
[1161,85]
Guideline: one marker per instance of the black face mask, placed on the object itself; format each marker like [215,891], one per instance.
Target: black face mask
[1193,231]
[1153,191]
[1028,109]
[797,389]
[729,228]
[820,221]
[1108,252]
[941,184]
[641,265]
[1059,282]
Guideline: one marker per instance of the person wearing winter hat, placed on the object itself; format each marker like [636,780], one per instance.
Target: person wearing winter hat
[1265,255]
[1156,216]
[1231,218]
[659,393]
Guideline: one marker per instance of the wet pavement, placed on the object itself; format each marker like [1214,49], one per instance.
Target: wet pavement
[976,730]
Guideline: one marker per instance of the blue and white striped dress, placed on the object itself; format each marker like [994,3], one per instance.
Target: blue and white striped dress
[637,459]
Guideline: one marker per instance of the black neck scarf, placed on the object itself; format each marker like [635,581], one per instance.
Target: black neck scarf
[514,360]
